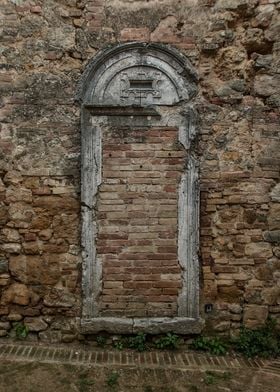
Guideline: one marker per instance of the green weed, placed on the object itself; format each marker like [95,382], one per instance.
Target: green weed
[213,345]
[119,344]
[21,330]
[209,379]
[112,380]
[84,383]
[137,342]
[264,341]
[213,377]
[170,341]
[101,341]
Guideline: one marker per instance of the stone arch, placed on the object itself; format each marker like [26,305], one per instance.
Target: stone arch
[146,84]
[110,62]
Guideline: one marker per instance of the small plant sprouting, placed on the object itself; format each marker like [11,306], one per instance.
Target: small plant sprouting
[264,341]
[101,340]
[212,377]
[170,340]
[137,342]
[209,379]
[84,383]
[21,330]
[214,345]
[118,344]
[112,380]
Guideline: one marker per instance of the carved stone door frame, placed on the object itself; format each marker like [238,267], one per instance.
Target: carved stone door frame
[109,89]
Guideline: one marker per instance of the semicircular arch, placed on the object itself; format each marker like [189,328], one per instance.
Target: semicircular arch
[124,73]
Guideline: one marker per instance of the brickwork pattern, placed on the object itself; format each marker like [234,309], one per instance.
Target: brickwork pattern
[137,222]
[180,360]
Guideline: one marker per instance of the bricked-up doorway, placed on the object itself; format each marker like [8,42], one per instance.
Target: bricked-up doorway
[140,192]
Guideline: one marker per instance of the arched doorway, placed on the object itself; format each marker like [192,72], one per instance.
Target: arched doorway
[139,192]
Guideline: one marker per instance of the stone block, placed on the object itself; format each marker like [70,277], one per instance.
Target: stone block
[135,34]
[4,279]
[35,324]
[56,204]
[5,325]
[3,215]
[231,5]
[235,308]
[14,317]
[253,296]
[255,315]
[263,16]
[274,217]
[273,32]
[221,326]
[16,194]
[254,40]
[21,212]
[258,249]
[61,37]
[271,296]
[11,235]
[35,269]
[12,247]
[49,336]
[266,85]
[45,235]
[59,298]
[275,193]
[4,310]
[16,293]
[272,236]
[13,177]
[110,324]
[68,338]
[263,61]
[3,265]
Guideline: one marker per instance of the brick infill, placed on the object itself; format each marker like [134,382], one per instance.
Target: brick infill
[150,359]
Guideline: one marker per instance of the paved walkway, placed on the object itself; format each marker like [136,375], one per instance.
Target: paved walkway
[99,357]
[254,375]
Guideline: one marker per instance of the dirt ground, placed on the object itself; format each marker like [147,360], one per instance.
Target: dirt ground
[47,377]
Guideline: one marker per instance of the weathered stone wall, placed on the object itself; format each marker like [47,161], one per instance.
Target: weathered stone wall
[45,45]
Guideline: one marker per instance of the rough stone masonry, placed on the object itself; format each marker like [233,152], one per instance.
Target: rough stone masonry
[234,46]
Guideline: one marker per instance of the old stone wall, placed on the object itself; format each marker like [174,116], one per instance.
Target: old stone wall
[45,45]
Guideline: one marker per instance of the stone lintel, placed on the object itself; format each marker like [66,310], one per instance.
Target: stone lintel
[157,325]
[126,111]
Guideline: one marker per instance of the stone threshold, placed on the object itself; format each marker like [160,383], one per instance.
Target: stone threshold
[152,325]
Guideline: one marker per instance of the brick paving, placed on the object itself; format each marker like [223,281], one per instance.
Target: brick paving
[150,359]
[272,367]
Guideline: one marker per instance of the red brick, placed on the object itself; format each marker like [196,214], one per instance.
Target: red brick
[135,34]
